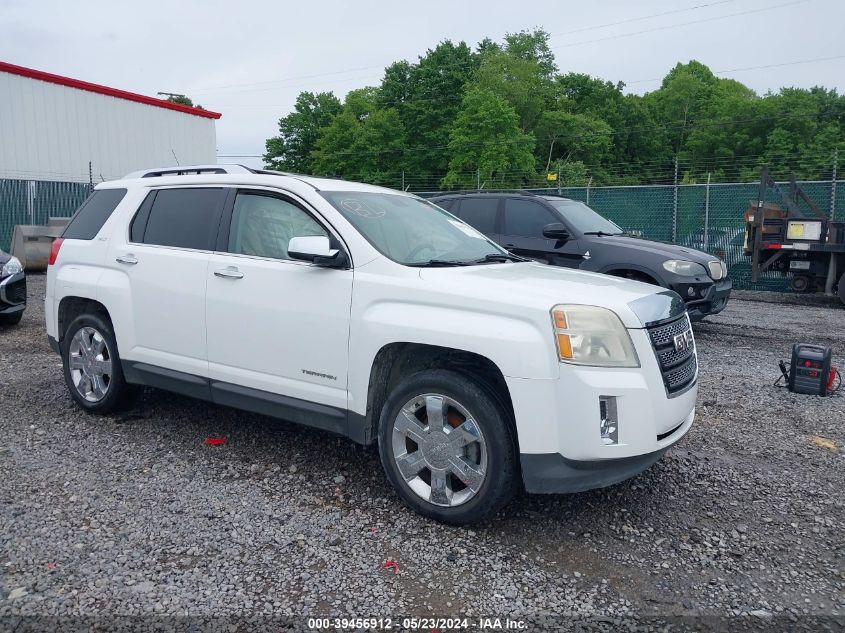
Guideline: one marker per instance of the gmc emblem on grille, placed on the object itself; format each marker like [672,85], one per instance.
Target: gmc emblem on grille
[683,341]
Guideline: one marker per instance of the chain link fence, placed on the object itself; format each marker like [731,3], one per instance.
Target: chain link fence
[707,217]
[35,202]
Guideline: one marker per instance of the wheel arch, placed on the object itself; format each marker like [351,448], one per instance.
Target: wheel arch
[394,361]
[636,273]
[73,306]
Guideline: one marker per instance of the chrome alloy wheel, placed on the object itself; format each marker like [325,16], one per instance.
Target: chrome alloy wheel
[439,450]
[90,364]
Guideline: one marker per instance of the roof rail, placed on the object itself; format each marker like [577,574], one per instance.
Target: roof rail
[189,170]
[472,192]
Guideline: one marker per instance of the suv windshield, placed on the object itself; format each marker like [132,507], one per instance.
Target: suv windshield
[584,219]
[411,231]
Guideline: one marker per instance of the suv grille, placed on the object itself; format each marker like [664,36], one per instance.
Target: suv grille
[15,292]
[679,367]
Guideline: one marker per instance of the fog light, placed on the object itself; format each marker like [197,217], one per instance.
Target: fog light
[608,420]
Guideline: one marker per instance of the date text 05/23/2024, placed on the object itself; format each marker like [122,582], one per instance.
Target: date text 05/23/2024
[425,624]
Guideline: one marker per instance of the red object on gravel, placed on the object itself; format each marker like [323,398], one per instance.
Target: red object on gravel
[215,441]
[391,564]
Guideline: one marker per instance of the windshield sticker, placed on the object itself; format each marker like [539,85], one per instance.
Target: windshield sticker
[359,207]
[468,230]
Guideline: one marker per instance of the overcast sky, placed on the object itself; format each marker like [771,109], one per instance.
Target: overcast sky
[249,60]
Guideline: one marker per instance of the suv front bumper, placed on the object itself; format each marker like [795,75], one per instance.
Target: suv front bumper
[13,294]
[554,473]
[710,298]
[559,422]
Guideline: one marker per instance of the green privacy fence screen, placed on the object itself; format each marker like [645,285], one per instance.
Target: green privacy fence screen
[35,201]
[647,210]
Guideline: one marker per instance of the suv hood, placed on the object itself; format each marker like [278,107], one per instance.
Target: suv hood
[533,285]
[666,251]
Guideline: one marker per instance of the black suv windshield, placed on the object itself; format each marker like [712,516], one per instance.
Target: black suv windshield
[584,219]
[413,232]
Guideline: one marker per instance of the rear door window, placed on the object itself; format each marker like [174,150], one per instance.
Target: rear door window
[526,218]
[479,213]
[93,213]
[181,218]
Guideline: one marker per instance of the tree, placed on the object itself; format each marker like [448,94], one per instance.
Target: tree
[333,155]
[183,100]
[292,149]
[363,142]
[563,136]
[521,72]
[683,95]
[426,118]
[395,89]
[435,90]
[487,142]
[533,46]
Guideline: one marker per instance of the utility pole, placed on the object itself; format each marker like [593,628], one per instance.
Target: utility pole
[478,179]
[589,182]
[675,204]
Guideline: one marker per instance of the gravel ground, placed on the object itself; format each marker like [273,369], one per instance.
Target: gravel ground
[134,515]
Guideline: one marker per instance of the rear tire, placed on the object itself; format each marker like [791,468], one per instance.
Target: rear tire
[802,283]
[448,447]
[91,365]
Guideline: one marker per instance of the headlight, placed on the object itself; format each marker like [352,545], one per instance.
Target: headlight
[684,267]
[715,267]
[589,335]
[11,267]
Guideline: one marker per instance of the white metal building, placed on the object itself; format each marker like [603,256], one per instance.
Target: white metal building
[51,127]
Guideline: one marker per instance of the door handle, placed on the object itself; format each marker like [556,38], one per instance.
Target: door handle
[128,259]
[230,272]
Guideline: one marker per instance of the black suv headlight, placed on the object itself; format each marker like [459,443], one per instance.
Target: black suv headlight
[11,267]
[684,268]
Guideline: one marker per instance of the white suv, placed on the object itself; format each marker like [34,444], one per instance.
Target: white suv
[376,315]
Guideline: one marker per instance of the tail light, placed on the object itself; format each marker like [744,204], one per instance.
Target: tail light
[54,250]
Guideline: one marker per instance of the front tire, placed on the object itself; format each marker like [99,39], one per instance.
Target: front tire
[9,320]
[841,289]
[448,447]
[91,364]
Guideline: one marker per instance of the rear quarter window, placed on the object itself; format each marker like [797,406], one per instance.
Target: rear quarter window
[92,215]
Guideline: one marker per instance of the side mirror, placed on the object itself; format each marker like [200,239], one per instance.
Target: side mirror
[556,231]
[315,249]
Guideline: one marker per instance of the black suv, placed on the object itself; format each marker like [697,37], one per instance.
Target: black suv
[566,232]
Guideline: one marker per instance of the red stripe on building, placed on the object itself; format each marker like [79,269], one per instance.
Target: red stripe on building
[103,90]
